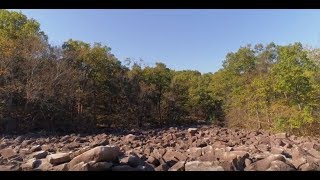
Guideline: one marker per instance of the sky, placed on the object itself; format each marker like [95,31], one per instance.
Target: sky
[182,39]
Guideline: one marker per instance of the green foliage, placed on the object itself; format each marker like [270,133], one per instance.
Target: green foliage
[81,86]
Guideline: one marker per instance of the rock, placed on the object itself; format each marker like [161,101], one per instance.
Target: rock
[207,149]
[281,135]
[129,138]
[311,145]
[35,148]
[132,160]
[7,167]
[61,167]
[172,155]
[123,168]
[44,165]
[288,145]
[276,150]
[233,154]
[3,145]
[46,147]
[153,161]
[16,148]
[73,145]
[201,143]
[314,153]
[145,167]
[167,138]
[77,153]
[280,166]
[277,143]
[202,166]
[30,164]
[97,154]
[101,142]
[234,160]
[80,167]
[208,157]
[7,153]
[24,151]
[158,153]
[194,152]
[309,167]
[298,162]
[18,140]
[39,154]
[25,143]
[99,166]
[299,157]
[264,164]
[58,158]
[192,131]
[162,167]
[16,158]
[247,162]
[179,166]
[65,138]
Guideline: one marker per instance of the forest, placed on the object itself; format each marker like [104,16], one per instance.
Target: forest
[80,86]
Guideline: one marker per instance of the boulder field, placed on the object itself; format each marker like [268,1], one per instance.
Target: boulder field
[201,148]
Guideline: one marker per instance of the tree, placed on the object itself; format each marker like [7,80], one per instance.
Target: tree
[160,77]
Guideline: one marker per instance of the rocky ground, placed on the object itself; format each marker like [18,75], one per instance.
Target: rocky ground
[203,148]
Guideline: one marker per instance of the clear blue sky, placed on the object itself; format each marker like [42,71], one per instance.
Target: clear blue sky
[182,39]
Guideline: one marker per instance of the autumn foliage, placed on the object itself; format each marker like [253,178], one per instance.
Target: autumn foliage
[81,86]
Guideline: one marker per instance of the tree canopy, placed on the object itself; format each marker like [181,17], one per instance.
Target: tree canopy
[80,86]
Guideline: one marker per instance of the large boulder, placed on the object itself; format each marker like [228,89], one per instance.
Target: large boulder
[97,154]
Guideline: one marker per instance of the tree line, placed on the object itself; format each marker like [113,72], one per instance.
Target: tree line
[80,86]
